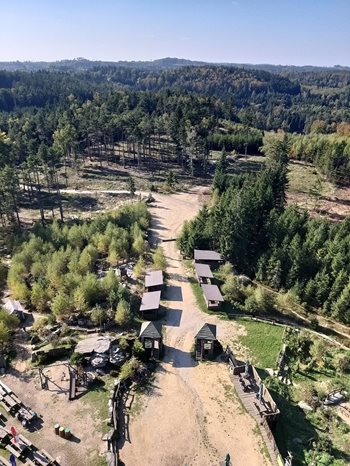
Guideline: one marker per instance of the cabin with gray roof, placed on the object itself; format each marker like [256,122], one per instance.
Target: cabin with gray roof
[150,303]
[15,308]
[203,273]
[212,296]
[205,256]
[205,342]
[154,280]
[152,339]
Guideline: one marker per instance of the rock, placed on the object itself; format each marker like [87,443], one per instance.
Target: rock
[304,406]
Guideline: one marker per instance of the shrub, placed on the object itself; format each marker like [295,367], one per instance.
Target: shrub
[139,269]
[159,259]
[123,315]
[123,343]
[61,305]
[225,271]
[40,324]
[76,359]
[129,369]
[137,348]
[232,290]
[98,315]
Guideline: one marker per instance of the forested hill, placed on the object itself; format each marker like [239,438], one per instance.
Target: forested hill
[267,101]
[82,64]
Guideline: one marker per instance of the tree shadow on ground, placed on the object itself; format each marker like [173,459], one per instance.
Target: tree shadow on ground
[293,431]
[97,385]
[156,224]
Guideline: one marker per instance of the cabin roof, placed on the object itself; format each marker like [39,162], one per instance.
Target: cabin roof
[206,255]
[151,330]
[12,306]
[150,301]
[212,293]
[153,278]
[207,332]
[203,270]
[93,344]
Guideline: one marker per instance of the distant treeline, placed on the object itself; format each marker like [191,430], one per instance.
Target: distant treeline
[329,153]
[249,139]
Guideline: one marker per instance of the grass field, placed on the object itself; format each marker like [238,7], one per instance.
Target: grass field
[97,398]
[264,342]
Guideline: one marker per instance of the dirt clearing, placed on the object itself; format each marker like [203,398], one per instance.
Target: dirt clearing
[192,415]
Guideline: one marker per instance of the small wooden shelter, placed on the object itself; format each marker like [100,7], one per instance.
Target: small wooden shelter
[152,339]
[203,273]
[205,342]
[154,280]
[212,296]
[150,305]
[15,308]
[204,256]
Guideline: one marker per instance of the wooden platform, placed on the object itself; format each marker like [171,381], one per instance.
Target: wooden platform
[250,402]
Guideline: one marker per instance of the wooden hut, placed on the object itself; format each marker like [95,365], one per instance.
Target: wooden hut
[205,342]
[212,296]
[15,308]
[151,338]
[208,257]
[154,280]
[150,305]
[203,273]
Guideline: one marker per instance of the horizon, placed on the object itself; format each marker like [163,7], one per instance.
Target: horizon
[59,60]
[252,32]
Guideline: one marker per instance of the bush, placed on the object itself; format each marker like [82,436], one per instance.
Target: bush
[139,269]
[310,395]
[61,305]
[265,300]
[343,363]
[123,343]
[137,348]
[129,369]
[225,271]
[3,275]
[159,259]
[40,324]
[4,333]
[98,315]
[123,315]
[76,359]
[232,290]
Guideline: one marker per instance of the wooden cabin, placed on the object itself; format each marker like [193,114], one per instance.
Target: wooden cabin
[205,342]
[150,303]
[154,280]
[208,257]
[212,296]
[152,339]
[203,273]
[15,308]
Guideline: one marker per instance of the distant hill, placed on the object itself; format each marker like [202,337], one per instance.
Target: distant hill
[82,64]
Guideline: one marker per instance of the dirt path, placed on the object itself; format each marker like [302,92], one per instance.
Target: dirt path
[192,416]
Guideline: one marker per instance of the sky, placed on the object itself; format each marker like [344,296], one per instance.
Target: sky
[294,32]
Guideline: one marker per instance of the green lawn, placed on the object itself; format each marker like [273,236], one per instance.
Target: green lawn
[264,342]
[97,398]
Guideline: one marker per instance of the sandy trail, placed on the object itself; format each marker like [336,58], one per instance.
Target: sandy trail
[192,416]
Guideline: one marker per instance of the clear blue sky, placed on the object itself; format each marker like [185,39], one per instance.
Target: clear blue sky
[252,31]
